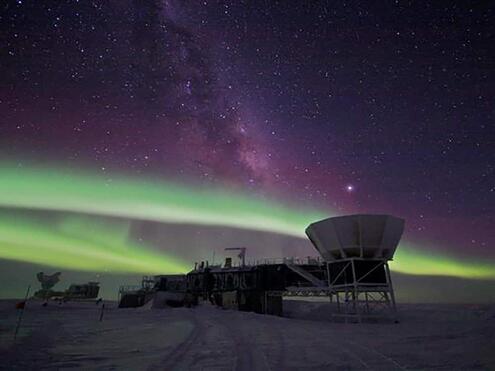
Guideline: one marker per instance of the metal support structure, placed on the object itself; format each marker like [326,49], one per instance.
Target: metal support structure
[362,294]
[392,295]
[361,288]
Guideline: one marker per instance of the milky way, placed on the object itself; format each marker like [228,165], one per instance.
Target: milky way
[337,107]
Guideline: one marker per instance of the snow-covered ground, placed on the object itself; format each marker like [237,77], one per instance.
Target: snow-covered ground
[440,337]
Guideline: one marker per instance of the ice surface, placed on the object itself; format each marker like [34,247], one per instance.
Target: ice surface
[440,337]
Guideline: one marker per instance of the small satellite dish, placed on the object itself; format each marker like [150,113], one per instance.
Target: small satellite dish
[48,280]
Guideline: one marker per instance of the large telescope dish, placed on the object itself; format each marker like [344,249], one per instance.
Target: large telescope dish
[351,236]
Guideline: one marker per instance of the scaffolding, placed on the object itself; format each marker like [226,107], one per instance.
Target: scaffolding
[362,288]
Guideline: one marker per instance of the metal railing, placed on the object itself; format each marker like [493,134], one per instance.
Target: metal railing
[308,260]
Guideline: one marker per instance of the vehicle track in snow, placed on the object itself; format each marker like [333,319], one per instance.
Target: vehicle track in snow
[232,340]
[209,346]
[227,340]
[245,333]
[341,352]
[175,358]
[391,363]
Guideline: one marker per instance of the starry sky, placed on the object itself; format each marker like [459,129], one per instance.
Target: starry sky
[359,106]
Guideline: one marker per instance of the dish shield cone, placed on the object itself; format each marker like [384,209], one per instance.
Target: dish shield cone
[362,235]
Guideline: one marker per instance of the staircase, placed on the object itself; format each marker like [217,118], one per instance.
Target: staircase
[306,275]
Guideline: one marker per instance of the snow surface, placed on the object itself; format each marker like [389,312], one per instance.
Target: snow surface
[70,336]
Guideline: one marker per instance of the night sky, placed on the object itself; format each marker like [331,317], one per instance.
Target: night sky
[370,107]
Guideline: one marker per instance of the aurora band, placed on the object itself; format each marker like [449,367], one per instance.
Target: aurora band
[159,201]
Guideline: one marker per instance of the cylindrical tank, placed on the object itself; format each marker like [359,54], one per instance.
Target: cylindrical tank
[364,235]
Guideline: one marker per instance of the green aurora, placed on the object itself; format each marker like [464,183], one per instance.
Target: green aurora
[81,245]
[76,243]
